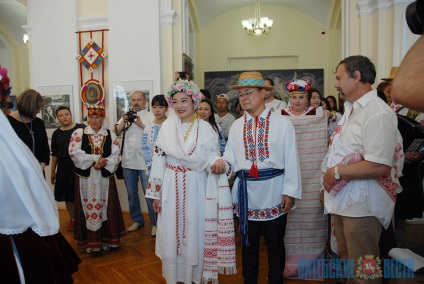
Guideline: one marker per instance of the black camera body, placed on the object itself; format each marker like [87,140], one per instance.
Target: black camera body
[183,75]
[414,16]
[131,116]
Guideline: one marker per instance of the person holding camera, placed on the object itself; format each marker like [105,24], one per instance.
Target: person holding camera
[133,123]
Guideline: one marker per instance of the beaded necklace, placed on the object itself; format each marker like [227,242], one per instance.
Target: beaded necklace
[190,127]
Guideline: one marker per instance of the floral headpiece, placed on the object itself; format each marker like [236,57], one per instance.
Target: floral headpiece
[187,87]
[4,84]
[298,86]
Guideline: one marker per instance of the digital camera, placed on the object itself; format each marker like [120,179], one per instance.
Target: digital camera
[131,116]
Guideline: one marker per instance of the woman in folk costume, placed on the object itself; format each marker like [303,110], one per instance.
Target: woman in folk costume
[99,223]
[185,149]
[298,104]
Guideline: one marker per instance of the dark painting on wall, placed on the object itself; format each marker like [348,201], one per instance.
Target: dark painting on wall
[188,66]
[219,82]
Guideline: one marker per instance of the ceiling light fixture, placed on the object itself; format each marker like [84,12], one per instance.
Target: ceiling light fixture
[25,39]
[257,26]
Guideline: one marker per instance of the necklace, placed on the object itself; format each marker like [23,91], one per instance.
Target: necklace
[30,132]
[190,127]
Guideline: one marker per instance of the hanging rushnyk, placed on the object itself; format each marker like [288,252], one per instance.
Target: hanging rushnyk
[91,56]
[92,93]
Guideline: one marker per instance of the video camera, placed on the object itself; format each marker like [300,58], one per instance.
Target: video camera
[414,15]
[130,113]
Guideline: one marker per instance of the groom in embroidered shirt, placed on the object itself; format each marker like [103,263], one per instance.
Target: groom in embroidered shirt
[261,151]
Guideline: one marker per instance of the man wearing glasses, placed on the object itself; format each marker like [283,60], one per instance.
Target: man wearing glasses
[262,152]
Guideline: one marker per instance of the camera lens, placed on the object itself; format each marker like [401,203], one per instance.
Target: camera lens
[414,16]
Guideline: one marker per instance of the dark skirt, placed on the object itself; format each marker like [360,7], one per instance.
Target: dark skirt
[64,188]
[112,230]
[48,259]
[410,202]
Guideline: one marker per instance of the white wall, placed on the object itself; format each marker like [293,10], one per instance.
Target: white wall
[132,45]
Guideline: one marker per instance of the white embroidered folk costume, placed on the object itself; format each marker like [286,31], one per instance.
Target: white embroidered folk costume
[182,158]
[371,197]
[273,147]
[94,187]
[98,198]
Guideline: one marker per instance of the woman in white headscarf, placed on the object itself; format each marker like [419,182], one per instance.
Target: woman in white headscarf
[31,248]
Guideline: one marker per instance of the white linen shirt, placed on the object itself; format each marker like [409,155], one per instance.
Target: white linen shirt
[372,130]
[276,104]
[132,156]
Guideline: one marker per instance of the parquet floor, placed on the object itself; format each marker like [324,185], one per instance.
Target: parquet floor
[135,261]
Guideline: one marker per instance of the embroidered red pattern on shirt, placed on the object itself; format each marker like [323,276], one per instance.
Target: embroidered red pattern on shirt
[262,138]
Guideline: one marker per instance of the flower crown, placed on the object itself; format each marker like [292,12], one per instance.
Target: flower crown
[300,86]
[4,84]
[187,87]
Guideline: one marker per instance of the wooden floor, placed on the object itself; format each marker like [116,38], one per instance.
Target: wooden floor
[135,261]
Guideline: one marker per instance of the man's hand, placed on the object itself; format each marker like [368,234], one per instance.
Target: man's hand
[138,121]
[413,157]
[156,205]
[287,203]
[328,113]
[218,167]
[329,181]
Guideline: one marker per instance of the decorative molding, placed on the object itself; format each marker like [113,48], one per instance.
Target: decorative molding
[385,4]
[167,17]
[366,7]
[84,24]
[402,2]
[27,29]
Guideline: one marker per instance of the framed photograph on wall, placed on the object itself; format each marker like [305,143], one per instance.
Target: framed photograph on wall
[122,91]
[54,97]
[188,66]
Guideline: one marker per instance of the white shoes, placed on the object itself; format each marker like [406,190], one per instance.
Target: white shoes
[134,227]
[153,231]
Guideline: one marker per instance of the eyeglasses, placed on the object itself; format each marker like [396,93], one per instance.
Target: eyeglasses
[247,93]
[295,97]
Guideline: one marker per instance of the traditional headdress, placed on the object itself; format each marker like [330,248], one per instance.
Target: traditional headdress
[298,86]
[187,87]
[96,110]
[4,84]
[392,75]
[251,80]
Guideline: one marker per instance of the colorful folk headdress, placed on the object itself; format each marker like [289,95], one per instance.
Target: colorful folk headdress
[96,110]
[298,86]
[4,84]
[187,87]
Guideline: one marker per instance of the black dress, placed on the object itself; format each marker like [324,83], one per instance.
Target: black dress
[42,149]
[64,188]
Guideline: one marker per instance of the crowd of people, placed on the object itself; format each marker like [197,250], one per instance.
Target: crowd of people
[184,153]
